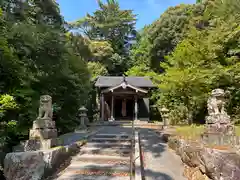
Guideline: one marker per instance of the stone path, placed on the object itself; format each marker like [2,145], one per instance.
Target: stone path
[70,138]
[160,163]
[105,157]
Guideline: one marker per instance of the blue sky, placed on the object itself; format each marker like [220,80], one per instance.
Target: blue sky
[147,10]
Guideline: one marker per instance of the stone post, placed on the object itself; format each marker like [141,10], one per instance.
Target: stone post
[165,116]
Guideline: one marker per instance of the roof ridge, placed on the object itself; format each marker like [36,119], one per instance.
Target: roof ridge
[110,81]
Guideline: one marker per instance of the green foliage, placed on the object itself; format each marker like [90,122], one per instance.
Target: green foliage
[206,59]
[196,49]
[192,132]
[160,38]
[101,52]
[140,52]
[7,103]
[111,31]
[96,69]
[37,57]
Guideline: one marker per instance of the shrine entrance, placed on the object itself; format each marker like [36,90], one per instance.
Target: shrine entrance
[124,98]
[124,108]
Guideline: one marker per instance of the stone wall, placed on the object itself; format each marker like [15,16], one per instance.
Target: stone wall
[37,164]
[206,163]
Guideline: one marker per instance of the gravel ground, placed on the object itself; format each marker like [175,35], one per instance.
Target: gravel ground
[160,162]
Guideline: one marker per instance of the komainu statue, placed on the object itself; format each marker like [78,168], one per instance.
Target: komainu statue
[218,120]
[45,108]
[216,102]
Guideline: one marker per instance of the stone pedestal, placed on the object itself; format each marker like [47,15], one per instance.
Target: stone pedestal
[43,123]
[219,123]
[218,118]
[219,130]
[49,143]
[218,139]
[43,135]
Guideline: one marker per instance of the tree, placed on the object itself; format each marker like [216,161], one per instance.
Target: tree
[96,69]
[33,40]
[113,25]
[101,51]
[161,37]
[207,58]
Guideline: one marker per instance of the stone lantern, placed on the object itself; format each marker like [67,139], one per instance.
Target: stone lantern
[82,115]
[165,115]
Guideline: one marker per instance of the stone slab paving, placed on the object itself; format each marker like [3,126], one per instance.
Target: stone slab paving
[160,163]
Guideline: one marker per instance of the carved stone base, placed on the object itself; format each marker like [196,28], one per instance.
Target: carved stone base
[227,129]
[218,139]
[42,133]
[32,145]
[218,118]
[49,143]
[43,124]
[36,144]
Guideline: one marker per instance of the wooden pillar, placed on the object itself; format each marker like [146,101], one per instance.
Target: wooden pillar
[112,109]
[102,107]
[136,108]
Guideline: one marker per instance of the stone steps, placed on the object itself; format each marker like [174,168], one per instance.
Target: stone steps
[106,151]
[95,169]
[92,166]
[105,156]
[109,140]
[101,158]
[108,145]
[123,136]
[90,177]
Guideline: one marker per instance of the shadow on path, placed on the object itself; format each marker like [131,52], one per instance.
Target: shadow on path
[159,162]
[151,143]
[157,175]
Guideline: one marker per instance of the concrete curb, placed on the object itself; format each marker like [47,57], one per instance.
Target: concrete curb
[137,158]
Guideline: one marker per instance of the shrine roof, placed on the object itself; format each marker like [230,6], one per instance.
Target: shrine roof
[137,81]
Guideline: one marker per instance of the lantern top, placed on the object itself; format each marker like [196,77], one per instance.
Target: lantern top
[164,109]
[83,109]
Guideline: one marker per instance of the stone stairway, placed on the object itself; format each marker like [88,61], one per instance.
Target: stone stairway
[104,157]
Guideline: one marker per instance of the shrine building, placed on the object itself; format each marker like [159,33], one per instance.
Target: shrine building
[124,98]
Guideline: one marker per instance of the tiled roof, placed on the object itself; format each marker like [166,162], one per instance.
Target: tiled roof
[110,81]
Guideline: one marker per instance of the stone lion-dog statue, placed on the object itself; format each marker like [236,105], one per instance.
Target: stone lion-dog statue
[216,102]
[45,108]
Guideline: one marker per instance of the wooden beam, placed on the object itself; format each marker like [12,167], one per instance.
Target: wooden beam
[102,107]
